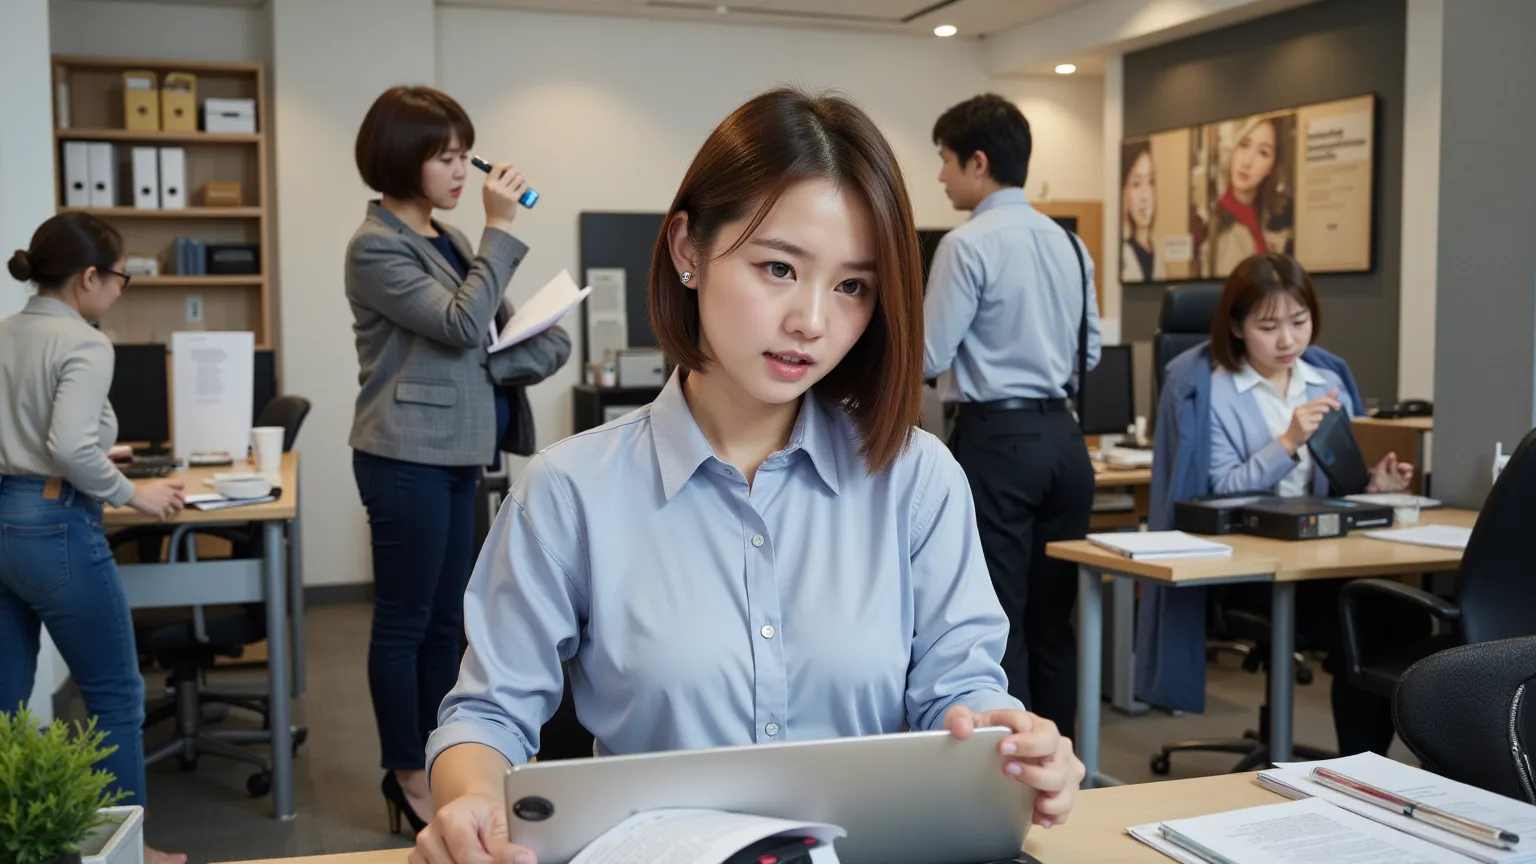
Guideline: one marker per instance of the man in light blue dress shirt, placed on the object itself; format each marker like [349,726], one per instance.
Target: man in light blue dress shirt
[1005,302]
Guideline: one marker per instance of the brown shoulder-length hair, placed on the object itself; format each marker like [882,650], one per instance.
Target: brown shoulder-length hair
[772,142]
[1249,288]
[404,128]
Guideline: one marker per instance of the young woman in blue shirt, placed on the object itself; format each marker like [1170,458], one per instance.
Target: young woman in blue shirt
[771,550]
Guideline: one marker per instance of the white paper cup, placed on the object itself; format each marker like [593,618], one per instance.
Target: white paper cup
[267,448]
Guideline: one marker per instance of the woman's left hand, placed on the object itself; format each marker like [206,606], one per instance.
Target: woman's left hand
[1390,475]
[1036,755]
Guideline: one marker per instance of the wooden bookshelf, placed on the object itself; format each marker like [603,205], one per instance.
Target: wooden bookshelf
[95,114]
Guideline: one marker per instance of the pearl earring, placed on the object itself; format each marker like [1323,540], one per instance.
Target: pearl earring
[686,277]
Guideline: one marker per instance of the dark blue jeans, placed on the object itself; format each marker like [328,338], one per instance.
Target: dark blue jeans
[422,521]
[57,569]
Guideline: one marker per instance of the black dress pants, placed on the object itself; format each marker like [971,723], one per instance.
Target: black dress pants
[1032,480]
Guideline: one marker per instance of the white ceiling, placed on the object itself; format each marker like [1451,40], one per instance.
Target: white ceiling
[915,17]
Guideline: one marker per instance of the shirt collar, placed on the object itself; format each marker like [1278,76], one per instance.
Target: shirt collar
[681,447]
[1006,195]
[1302,374]
[39,304]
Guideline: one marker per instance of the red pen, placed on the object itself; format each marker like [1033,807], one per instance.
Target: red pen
[1459,825]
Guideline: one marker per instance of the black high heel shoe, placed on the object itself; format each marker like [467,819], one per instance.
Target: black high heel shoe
[395,800]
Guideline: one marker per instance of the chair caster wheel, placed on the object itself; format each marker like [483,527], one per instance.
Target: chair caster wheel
[188,764]
[1303,676]
[1160,765]
[259,785]
[300,735]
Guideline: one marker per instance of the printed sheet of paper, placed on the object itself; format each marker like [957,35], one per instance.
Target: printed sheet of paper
[557,298]
[212,378]
[1301,832]
[695,836]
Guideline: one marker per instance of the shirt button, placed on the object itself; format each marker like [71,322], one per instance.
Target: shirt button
[767,631]
[757,539]
[772,729]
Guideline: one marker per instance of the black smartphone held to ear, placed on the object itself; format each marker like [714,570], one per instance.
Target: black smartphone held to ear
[529,196]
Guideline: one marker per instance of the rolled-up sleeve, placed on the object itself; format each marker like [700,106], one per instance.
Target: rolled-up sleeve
[522,613]
[74,431]
[960,629]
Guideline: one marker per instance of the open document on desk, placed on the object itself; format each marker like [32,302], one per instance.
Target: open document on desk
[1293,780]
[1299,832]
[700,836]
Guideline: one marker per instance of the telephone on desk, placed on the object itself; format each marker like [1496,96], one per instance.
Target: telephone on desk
[1408,408]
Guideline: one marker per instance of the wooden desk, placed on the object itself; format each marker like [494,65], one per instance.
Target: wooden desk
[1096,831]
[275,580]
[1254,559]
[283,508]
[1405,437]
[1139,480]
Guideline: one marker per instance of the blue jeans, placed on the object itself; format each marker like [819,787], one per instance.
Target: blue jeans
[57,569]
[422,522]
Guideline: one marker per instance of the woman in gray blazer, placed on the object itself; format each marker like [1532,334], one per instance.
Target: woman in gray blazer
[424,305]
[56,568]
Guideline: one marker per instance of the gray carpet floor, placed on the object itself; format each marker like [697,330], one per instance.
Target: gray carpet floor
[207,813]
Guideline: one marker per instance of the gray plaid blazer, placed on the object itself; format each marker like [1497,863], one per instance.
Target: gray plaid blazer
[421,333]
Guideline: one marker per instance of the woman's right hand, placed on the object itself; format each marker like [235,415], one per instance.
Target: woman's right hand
[1306,418]
[503,186]
[471,829]
[162,500]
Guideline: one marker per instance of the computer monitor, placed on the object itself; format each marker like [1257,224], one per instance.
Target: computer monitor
[1107,403]
[140,394]
[264,387]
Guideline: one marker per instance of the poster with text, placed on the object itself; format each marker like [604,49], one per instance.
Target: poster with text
[1162,207]
[1333,186]
[1195,202]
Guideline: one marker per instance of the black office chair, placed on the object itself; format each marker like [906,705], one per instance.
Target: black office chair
[1468,714]
[186,641]
[1233,627]
[1494,596]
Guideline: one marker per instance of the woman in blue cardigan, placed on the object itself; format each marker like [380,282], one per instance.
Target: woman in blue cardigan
[1235,415]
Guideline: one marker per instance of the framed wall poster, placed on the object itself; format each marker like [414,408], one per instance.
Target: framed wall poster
[1297,181]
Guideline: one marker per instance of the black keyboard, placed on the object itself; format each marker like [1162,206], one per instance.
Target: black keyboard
[147,472]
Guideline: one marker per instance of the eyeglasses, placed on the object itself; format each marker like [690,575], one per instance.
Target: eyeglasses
[124,276]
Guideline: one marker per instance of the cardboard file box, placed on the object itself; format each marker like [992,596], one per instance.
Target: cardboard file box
[178,102]
[141,101]
[222,193]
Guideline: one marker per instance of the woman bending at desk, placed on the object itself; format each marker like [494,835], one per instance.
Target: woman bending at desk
[1267,388]
[771,550]
[428,416]
[55,565]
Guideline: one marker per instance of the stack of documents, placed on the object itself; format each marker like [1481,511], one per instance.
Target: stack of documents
[1323,824]
[1129,457]
[1439,536]
[1150,545]
[1293,780]
[698,836]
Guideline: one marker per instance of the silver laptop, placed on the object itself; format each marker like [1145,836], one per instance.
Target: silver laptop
[909,798]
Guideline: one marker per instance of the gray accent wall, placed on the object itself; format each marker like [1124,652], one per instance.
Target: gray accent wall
[1332,49]
[1485,317]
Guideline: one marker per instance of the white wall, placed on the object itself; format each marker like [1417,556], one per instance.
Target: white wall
[1421,198]
[1066,119]
[26,137]
[320,202]
[227,34]
[26,200]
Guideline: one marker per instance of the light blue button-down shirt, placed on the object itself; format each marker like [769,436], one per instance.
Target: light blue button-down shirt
[1004,303]
[696,611]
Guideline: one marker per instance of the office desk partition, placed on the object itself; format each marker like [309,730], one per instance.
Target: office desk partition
[1254,559]
[265,580]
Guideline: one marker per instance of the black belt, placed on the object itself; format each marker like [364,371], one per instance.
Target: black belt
[1043,406]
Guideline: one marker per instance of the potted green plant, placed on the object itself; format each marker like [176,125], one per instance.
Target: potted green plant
[53,800]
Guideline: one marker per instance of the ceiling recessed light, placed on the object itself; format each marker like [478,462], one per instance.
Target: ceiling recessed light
[1065,69]
[945,30]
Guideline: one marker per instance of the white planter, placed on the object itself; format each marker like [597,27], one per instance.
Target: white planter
[120,841]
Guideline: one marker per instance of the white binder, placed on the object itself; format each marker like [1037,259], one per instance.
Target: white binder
[146,178]
[103,175]
[77,174]
[173,178]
